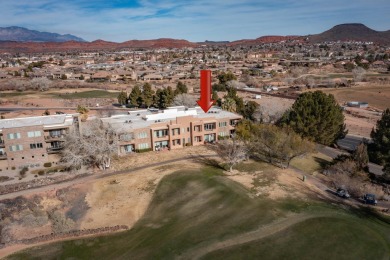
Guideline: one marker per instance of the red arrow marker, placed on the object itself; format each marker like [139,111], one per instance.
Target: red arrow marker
[205,101]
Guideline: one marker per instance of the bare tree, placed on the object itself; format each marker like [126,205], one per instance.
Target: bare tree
[235,84]
[93,147]
[186,100]
[230,151]
[41,84]
[358,74]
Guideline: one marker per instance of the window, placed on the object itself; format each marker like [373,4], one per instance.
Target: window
[198,139]
[143,146]
[176,131]
[142,135]
[55,133]
[36,145]
[197,128]
[126,137]
[161,133]
[128,148]
[209,127]
[222,124]
[14,148]
[222,134]
[13,136]
[188,129]
[34,134]
[176,142]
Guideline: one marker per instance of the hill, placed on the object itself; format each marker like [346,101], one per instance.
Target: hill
[36,47]
[351,32]
[20,34]
[266,39]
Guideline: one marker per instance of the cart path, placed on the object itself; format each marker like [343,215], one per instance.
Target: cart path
[265,231]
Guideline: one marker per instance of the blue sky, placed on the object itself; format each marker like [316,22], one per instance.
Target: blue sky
[198,20]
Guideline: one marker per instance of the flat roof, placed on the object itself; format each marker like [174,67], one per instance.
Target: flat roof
[146,118]
[50,120]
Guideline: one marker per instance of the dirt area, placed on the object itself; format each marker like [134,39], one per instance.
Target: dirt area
[376,95]
[285,183]
[360,121]
[118,200]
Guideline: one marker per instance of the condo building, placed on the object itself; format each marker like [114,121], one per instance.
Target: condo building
[172,128]
[32,141]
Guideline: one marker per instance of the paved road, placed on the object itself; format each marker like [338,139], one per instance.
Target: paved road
[350,142]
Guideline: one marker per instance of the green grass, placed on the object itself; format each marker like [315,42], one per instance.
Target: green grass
[318,238]
[310,162]
[201,207]
[14,94]
[85,94]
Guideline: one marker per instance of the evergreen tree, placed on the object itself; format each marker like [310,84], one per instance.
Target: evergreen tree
[379,149]
[135,96]
[163,99]
[147,95]
[215,96]
[229,105]
[181,88]
[122,98]
[225,77]
[170,95]
[250,109]
[316,116]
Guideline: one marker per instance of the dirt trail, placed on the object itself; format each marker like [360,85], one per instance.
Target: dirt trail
[263,232]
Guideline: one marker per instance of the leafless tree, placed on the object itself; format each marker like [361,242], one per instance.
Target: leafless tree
[93,147]
[358,74]
[186,100]
[41,84]
[235,84]
[230,151]
[18,85]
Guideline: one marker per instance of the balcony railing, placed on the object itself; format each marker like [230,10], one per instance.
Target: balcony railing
[54,137]
[56,149]
[3,156]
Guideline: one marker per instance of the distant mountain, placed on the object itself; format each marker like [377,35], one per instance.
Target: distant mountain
[20,34]
[214,43]
[13,39]
[351,32]
[35,47]
[266,39]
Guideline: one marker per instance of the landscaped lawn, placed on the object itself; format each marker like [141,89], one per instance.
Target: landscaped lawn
[85,94]
[310,162]
[195,209]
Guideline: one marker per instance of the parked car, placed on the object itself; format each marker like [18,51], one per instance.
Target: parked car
[370,199]
[343,193]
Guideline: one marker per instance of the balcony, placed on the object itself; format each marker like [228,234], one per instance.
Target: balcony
[3,156]
[50,138]
[51,150]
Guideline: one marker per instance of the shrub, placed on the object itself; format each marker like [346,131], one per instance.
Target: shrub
[13,168]
[143,150]
[23,171]
[47,164]
[188,144]
[41,172]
